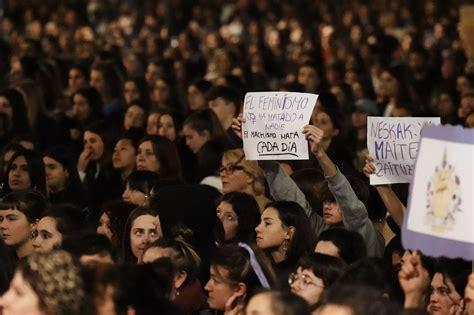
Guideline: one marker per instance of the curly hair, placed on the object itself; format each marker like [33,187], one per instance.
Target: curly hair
[57,280]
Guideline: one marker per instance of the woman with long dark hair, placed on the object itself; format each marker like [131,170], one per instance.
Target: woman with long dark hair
[62,179]
[25,171]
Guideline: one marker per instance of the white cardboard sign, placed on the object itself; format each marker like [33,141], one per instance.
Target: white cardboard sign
[274,121]
[393,144]
[440,210]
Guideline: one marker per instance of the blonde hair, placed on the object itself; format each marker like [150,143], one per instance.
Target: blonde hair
[250,167]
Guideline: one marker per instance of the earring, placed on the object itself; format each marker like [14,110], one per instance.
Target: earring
[177,292]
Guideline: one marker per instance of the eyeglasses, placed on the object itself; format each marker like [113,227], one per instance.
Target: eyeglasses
[305,280]
[230,169]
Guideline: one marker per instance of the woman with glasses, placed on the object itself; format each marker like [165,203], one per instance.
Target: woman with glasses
[314,274]
[241,175]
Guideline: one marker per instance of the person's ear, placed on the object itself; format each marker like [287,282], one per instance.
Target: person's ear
[250,179]
[66,174]
[179,279]
[335,132]
[34,224]
[290,232]
[241,289]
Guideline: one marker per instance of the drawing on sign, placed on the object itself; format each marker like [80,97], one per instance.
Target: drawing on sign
[443,197]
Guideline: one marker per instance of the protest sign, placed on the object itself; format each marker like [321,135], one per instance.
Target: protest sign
[393,144]
[274,122]
[440,213]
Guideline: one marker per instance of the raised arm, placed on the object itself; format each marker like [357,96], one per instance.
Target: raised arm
[282,186]
[391,201]
[354,212]
[414,280]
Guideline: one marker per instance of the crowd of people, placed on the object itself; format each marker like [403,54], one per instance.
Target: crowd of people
[125,188]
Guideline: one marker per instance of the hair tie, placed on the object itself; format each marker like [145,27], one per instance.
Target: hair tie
[256,266]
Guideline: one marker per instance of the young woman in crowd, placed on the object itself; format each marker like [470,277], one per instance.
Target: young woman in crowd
[86,109]
[6,154]
[314,274]
[163,95]
[158,154]
[240,215]
[105,78]
[112,221]
[46,283]
[95,169]
[56,224]
[237,272]
[197,94]
[394,89]
[285,235]
[13,105]
[62,179]
[140,186]
[25,171]
[187,292]
[78,77]
[124,158]
[142,227]
[153,122]
[170,125]
[135,115]
[201,127]
[239,174]
[135,89]
[19,215]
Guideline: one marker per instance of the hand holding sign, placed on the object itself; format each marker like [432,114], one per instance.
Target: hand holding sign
[237,125]
[314,136]
[369,167]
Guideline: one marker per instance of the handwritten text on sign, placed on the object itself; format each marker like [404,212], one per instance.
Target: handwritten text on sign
[393,143]
[273,127]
